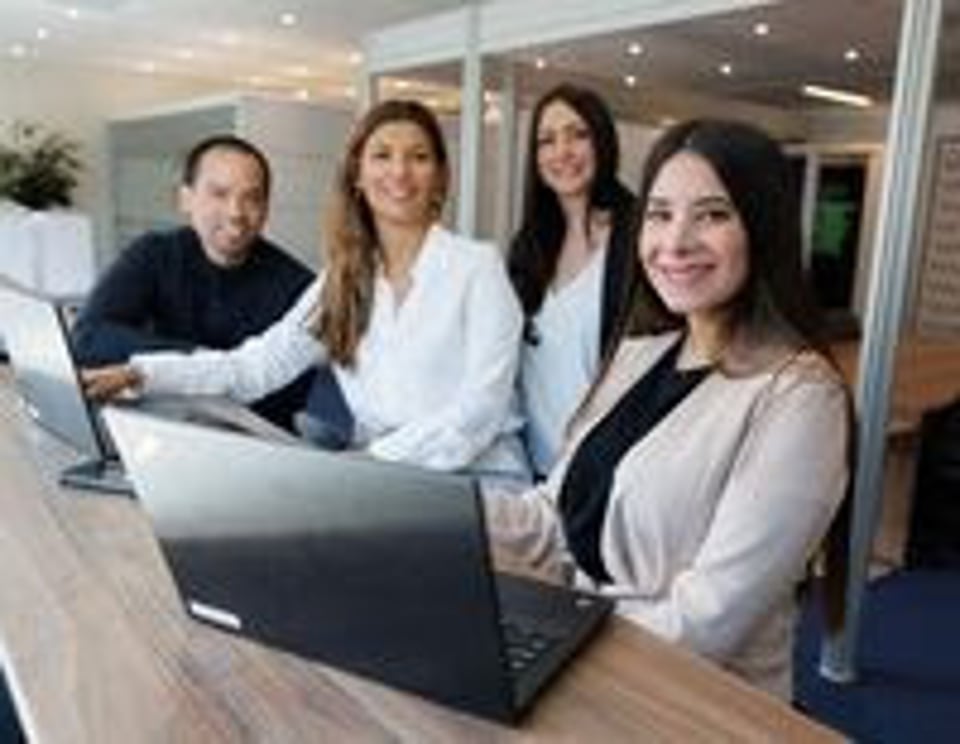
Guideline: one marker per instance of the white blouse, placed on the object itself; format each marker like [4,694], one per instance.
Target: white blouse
[559,363]
[432,383]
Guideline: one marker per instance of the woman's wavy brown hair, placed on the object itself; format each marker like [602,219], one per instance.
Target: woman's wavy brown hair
[352,246]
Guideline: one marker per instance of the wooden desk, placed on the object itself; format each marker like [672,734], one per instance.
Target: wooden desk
[98,649]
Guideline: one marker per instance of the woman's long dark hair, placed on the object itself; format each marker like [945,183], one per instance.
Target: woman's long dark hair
[352,246]
[775,301]
[535,249]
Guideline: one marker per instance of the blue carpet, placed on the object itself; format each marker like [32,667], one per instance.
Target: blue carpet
[909,670]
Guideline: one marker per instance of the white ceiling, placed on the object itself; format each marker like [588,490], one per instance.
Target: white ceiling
[805,42]
[245,44]
[240,42]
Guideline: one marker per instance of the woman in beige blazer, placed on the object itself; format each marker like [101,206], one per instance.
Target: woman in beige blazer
[702,472]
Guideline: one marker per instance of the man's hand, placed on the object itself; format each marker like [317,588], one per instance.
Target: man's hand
[106,383]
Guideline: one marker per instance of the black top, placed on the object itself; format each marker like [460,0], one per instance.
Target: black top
[163,293]
[620,273]
[586,486]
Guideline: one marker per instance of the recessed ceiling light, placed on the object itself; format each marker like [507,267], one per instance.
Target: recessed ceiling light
[355,58]
[72,13]
[302,94]
[630,80]
[761,29]
[726,69]
[42,34]
[834,95]
[18,50]
[635,49]
[540,63]
[852,54]
[402,85]
[288,19]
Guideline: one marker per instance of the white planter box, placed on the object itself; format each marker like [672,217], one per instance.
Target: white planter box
[50,252]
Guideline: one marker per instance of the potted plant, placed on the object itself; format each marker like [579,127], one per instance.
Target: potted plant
[38,168]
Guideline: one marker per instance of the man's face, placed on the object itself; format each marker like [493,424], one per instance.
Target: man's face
[226,204]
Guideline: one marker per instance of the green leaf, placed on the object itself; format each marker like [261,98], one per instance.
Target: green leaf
[39,169]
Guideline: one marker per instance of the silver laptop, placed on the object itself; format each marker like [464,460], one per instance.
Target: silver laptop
[38,344]
[378,568]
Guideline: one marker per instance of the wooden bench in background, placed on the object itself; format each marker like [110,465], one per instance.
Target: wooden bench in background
[927,375]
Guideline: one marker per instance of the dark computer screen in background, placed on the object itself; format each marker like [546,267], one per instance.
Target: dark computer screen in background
[836,233]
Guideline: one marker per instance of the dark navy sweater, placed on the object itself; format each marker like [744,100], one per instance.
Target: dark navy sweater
[163,293]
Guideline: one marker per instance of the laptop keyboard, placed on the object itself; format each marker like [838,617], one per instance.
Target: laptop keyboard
[540,624]
[525,644]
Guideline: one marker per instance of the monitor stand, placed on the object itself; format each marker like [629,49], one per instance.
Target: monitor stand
[104,476]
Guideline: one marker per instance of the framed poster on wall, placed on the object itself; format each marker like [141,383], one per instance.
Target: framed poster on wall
[938,295]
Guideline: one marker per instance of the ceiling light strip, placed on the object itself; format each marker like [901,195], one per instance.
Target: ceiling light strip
[835,95]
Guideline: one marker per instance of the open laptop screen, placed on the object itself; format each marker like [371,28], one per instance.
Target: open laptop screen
[37,343]
[47,378]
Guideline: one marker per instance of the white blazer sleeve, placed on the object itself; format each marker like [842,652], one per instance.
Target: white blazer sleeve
[260,365]
[525,532]
[453,436]
[775,507]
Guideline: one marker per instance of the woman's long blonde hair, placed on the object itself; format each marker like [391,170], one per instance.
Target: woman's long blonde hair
[352,245]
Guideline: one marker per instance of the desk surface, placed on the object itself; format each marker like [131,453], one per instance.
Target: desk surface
[98,649]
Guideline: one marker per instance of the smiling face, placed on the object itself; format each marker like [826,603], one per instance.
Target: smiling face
[565,154]
[693,244]
[400,176]
[226,204]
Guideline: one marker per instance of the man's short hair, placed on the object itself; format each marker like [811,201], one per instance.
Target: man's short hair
[191,165]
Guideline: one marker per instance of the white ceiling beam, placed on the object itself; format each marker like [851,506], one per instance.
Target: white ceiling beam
[438,38]
[506,25]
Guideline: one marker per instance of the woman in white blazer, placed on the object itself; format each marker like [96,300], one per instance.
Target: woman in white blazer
[420,326]
[703,470]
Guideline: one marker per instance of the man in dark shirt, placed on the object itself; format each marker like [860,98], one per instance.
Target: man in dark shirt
[210,284]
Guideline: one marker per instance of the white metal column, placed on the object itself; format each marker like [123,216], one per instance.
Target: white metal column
[906,135]
[366,86]
[471,125]
[811,187]
[507,155]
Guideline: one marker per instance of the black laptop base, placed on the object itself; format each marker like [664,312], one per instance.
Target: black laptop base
[543,628]
[377,568]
